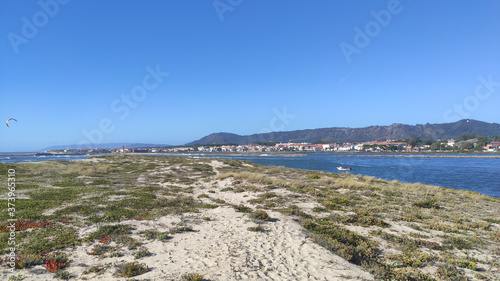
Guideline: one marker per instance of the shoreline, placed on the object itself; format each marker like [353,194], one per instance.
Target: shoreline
[282,154]
[427,156]
[340,154]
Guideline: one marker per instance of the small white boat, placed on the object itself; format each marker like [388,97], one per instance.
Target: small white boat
[340,168]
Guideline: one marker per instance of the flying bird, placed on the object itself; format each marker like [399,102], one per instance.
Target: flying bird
[7,123]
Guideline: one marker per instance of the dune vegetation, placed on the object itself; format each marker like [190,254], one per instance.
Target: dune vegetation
[110,207]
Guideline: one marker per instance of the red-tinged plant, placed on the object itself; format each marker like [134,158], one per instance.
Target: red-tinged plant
[105,239]
[17,261]
[55,261]
[91,253]
[52,265]
[22,224]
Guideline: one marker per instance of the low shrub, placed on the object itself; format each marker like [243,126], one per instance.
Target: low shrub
[313,176]
[294,210]
[107,230]
[100,249]
[463,263]
[152,235]
[142,252]
[63,274]
[16,277]
[450,272]
[428,204]
[257,228]
[242,209]
[131,269]
[192,277]
[219,201]
[98,270]
[181,229]
[341,241]
[458,242]
[260,215]
[29,260]
[129,242]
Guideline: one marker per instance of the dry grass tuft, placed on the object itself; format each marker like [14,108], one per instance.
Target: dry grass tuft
[395,230]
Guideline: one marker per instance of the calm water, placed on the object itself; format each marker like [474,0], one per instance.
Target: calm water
[16,159]
[477,174]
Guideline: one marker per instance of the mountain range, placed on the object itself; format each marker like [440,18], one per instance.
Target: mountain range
[372,133]
[330,135]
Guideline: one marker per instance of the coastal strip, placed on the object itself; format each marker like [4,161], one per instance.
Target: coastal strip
[419,156]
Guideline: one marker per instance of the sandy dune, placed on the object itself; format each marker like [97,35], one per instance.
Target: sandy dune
[221,248]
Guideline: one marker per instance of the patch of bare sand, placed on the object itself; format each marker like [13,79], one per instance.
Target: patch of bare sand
[221,248]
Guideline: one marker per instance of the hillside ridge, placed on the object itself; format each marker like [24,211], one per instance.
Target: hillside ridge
[371,133]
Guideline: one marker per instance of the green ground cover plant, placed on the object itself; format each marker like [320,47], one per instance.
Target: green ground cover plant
[131,269]
[396,231]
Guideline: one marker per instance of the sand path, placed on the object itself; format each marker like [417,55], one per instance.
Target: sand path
[221,248]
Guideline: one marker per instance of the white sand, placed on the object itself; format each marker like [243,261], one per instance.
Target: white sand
[220,249]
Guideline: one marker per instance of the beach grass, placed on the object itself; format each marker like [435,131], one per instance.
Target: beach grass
[395,231]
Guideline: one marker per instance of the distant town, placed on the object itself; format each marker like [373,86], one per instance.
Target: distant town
[480,144]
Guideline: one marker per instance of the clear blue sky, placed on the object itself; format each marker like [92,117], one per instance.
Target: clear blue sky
[240,66]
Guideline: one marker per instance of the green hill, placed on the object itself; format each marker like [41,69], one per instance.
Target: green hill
[372,133]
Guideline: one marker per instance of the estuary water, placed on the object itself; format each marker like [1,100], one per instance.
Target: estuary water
[464,173]
[18,157]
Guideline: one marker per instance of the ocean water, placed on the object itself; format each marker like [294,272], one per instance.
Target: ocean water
[475,174]
[10,158]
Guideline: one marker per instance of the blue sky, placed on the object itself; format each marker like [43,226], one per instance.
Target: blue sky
[171,72]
